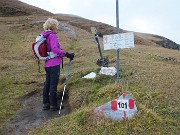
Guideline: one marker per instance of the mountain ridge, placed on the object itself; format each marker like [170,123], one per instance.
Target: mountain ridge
[10,8]
[17,8]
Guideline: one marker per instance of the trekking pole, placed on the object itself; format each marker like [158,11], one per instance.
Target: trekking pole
[102,61]
[67,74]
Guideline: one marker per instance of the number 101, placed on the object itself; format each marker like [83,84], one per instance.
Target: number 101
[122,105]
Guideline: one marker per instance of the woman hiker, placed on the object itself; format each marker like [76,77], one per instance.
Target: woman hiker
[52,66]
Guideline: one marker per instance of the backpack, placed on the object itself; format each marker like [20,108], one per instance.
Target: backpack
[40,51]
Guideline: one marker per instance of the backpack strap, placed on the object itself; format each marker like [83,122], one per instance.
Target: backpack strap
[62,63]
[39,66]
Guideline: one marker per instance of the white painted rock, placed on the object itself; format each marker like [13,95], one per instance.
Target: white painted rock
[119,109]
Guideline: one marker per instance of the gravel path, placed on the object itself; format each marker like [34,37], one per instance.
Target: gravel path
[31,114]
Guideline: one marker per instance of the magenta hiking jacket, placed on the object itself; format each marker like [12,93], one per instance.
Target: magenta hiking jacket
[54,46]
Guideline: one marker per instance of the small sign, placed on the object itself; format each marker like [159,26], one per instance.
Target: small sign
[108,71]
[125,104]
[122,104]
[117,41]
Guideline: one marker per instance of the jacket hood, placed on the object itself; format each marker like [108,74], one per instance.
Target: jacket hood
[47,32]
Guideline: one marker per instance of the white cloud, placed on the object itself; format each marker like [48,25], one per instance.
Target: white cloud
[142,25]
[58,6]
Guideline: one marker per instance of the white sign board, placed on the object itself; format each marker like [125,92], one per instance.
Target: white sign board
[108,71]
[117,41]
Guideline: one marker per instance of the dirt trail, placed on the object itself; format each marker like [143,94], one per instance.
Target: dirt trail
[31,114]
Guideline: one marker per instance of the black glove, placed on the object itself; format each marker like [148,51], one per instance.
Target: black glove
[70,55]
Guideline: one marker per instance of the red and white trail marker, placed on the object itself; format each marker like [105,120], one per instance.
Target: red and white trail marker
[119,109]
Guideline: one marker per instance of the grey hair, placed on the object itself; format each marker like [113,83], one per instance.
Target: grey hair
[50,24]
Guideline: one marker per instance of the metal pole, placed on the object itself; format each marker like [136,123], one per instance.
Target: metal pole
[118,50]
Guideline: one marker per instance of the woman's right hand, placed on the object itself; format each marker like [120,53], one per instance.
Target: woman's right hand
[70,55]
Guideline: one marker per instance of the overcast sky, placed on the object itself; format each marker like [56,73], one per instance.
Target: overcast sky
[161,17]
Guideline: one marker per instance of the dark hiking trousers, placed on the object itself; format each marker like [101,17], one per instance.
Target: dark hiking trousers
[50,85]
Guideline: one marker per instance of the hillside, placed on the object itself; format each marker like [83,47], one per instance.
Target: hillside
[17,8]
[105,29]
[149,73]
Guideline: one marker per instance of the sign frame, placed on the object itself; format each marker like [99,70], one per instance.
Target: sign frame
[118,41]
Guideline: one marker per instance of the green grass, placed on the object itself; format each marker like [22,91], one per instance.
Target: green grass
[158,113]
[153,83]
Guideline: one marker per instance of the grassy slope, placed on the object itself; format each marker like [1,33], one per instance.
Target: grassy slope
[18,8]
[154,83]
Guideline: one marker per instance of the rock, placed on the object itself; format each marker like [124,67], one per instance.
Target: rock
[122,108]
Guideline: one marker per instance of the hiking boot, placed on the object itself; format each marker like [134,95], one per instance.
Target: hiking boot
[46,106]
[55,108]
